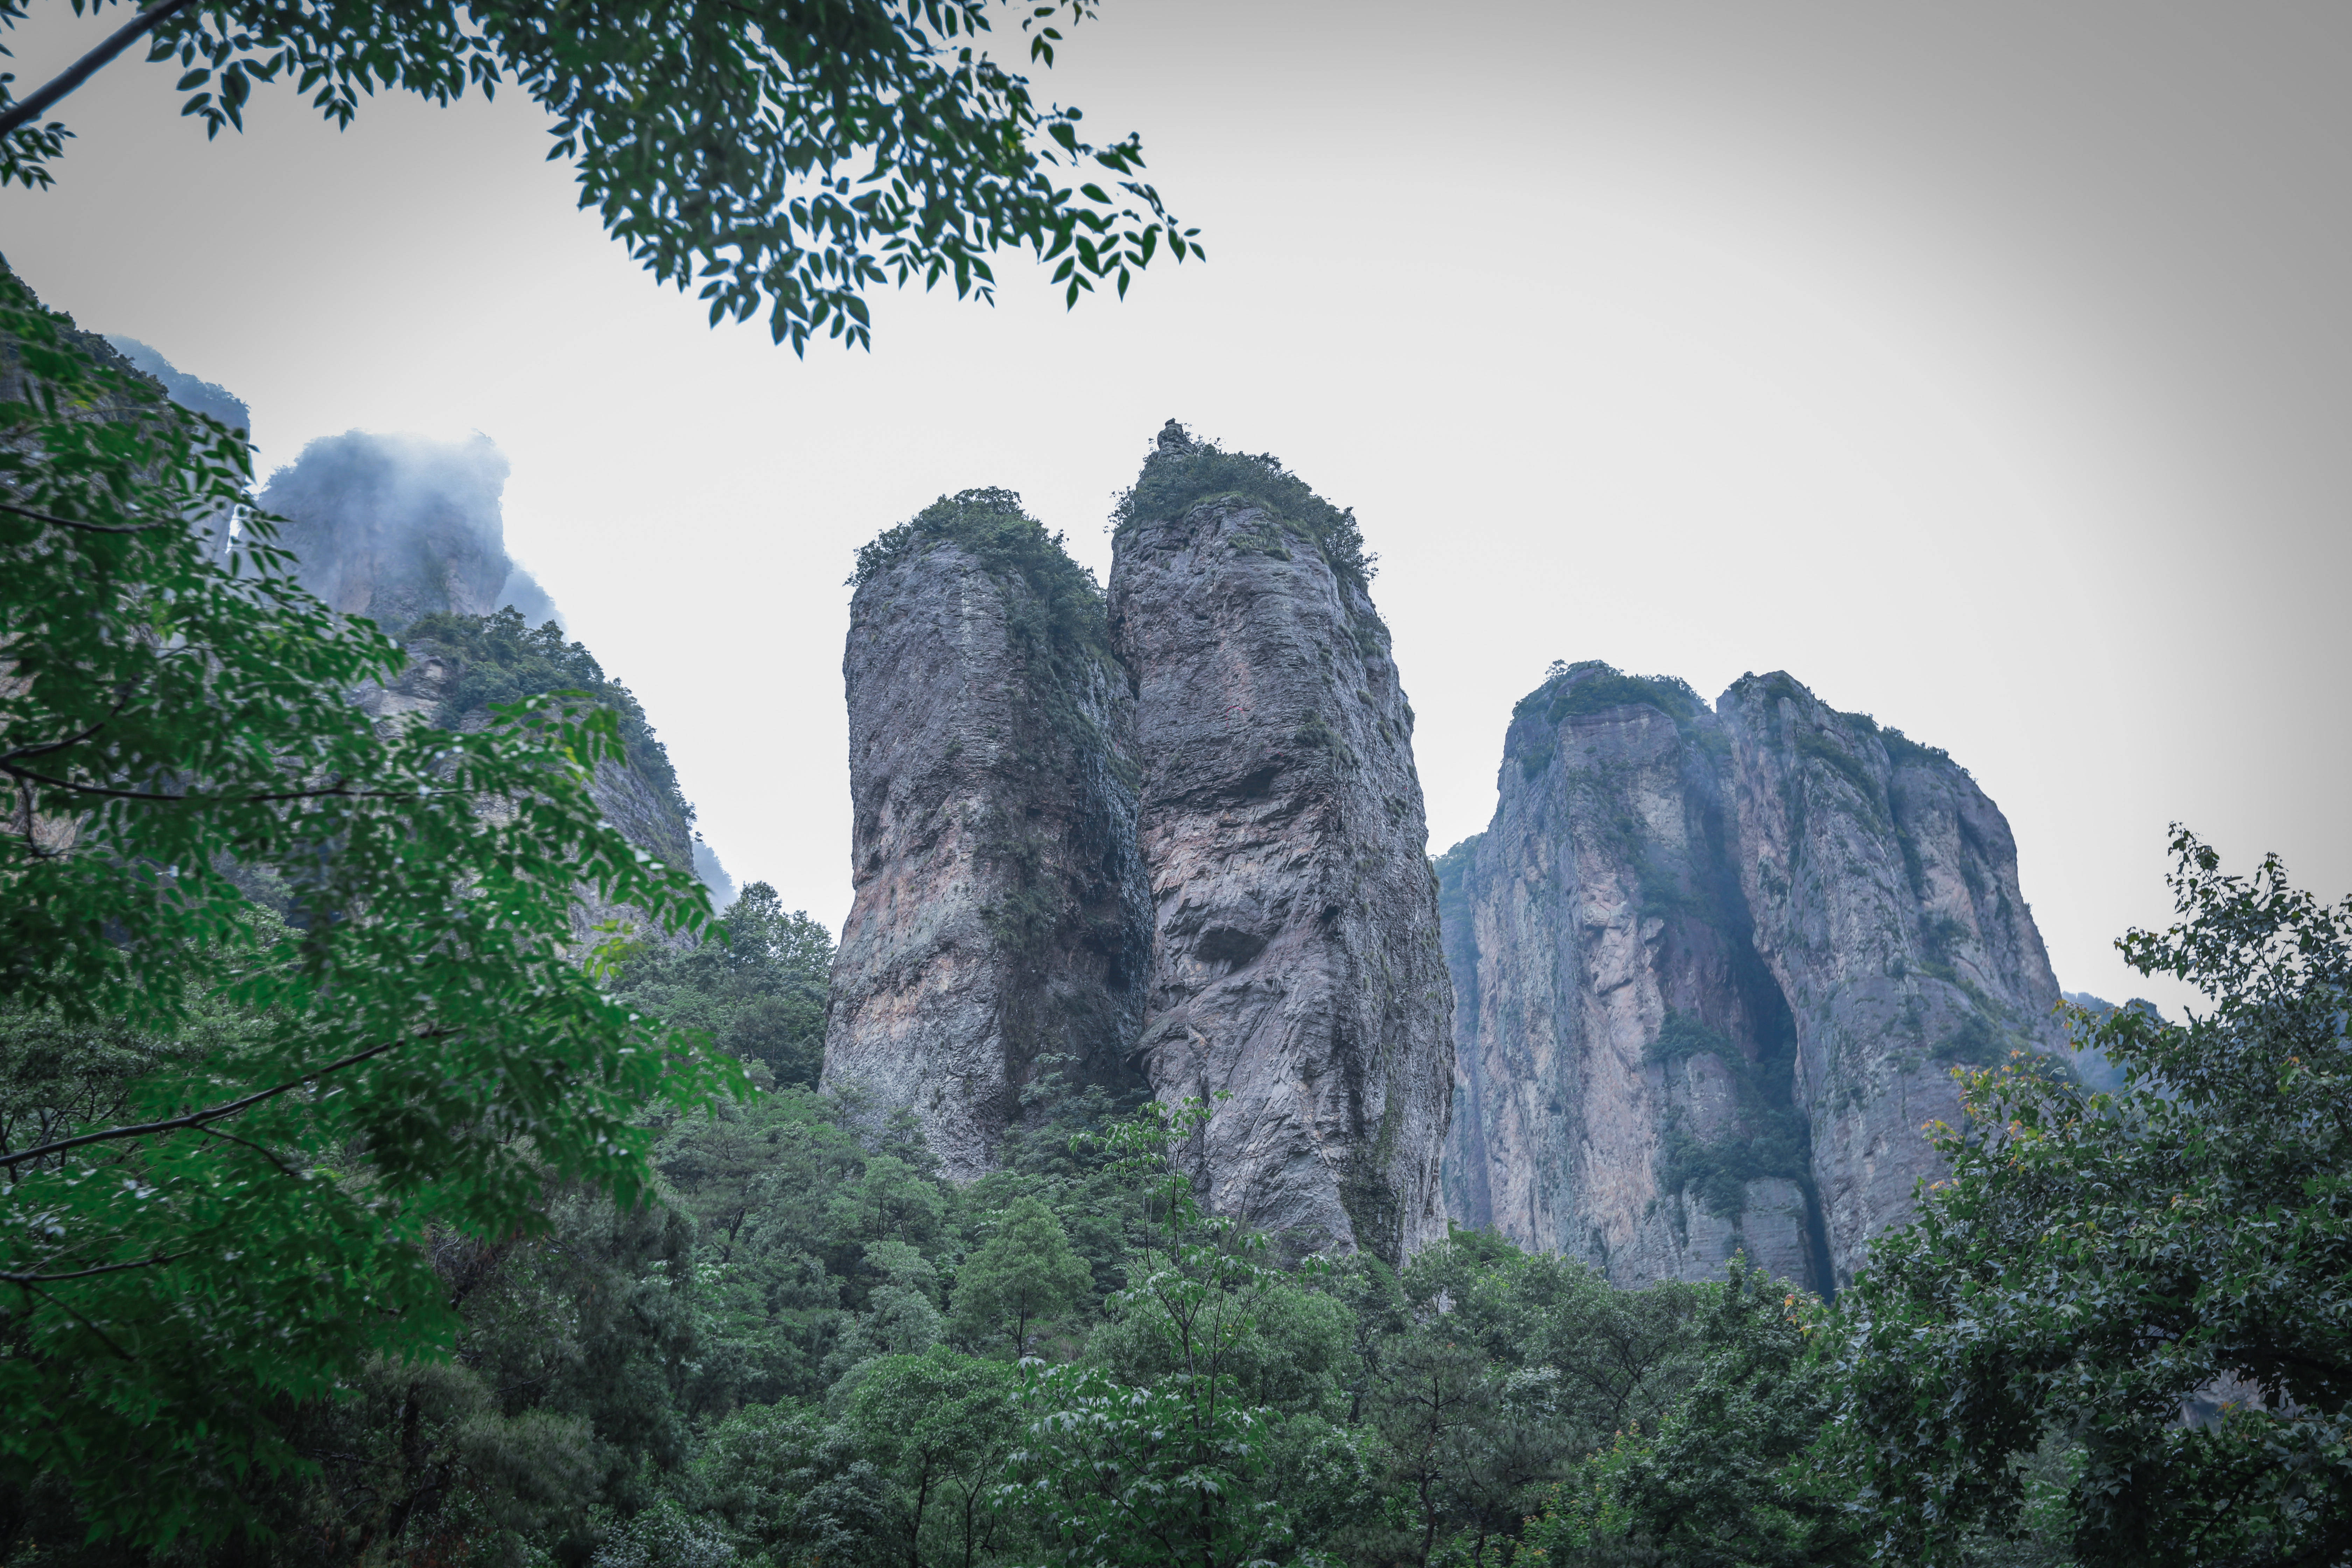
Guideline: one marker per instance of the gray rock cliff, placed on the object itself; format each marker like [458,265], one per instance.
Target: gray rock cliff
[1294,957]
[1885,889]
[1713,969]
[999,929]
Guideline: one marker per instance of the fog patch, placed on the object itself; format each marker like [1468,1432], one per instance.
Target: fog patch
[395,527]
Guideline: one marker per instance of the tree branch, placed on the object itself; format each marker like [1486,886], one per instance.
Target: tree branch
[70,522]
[198,1119]
[341,791]
[264,1154]
[80,71]
[103,1337]
[32,1279]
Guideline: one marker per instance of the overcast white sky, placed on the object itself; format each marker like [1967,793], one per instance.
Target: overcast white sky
[1984,367]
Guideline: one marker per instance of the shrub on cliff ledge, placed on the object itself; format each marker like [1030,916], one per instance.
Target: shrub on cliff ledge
[1177,477]
[990,526]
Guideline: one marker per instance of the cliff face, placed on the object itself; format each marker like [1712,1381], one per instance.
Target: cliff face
[1712,971]
[458,665]
[1295,958]
[999,929]
[1885,888]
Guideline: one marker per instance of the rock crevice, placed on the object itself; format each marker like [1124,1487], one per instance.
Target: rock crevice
[1172,838]
[1713,968]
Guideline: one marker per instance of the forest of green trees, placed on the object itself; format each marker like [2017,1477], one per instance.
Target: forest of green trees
[358,1207]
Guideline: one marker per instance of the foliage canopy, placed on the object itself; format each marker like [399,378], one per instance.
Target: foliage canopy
[417,1047]
[784,156]
[2157,1278]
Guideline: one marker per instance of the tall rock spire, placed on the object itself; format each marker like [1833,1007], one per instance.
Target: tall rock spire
[999,931]
[1294,961]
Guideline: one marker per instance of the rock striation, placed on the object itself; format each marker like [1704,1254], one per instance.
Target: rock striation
[1295,958]
[1000,929]
[1713,968]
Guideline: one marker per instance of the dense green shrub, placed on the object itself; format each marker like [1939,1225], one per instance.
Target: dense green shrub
[1575,690]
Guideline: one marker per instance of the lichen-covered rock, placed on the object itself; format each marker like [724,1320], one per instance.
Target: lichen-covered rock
[1294,957]
[1885,889]
[1713,970]
[999,929]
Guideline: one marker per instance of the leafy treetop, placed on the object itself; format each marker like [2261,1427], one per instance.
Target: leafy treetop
[2099,1266]
[786,155]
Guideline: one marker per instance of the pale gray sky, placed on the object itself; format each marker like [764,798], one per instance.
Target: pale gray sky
[1982,365]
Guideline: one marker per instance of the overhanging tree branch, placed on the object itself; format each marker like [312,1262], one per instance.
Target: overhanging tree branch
[32,1279]
[199,1117]
[72,77]
[72,522]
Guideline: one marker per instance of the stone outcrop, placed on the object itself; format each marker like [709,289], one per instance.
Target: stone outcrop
[1295,958]
[638,794]
[393,528]
[1713,969]
[1000,929]
[1885,889]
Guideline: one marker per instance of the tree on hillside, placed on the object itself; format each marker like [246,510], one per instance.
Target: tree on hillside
[1019,1277]
[785,155]
[761,992]
[1175,1469]
[231,1135]
[1732,1474]
[938,1426]
[2156,1282]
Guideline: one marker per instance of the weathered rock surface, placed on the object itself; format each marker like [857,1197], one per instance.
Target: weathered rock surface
[1294,961]
[999,929]
[639,796]
[1712,971]
[1885,889]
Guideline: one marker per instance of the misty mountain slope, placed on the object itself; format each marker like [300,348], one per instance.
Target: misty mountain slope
[395,527]
[1000,931]
[1713,971]
[411,534]
[189,392]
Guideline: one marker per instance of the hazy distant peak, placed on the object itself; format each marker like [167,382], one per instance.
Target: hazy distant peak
[189,392]
[395,527]
[714,875]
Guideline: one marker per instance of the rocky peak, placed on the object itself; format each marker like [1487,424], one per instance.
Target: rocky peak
[394,527]
[1295,958]
[999,929]
[1713,968]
